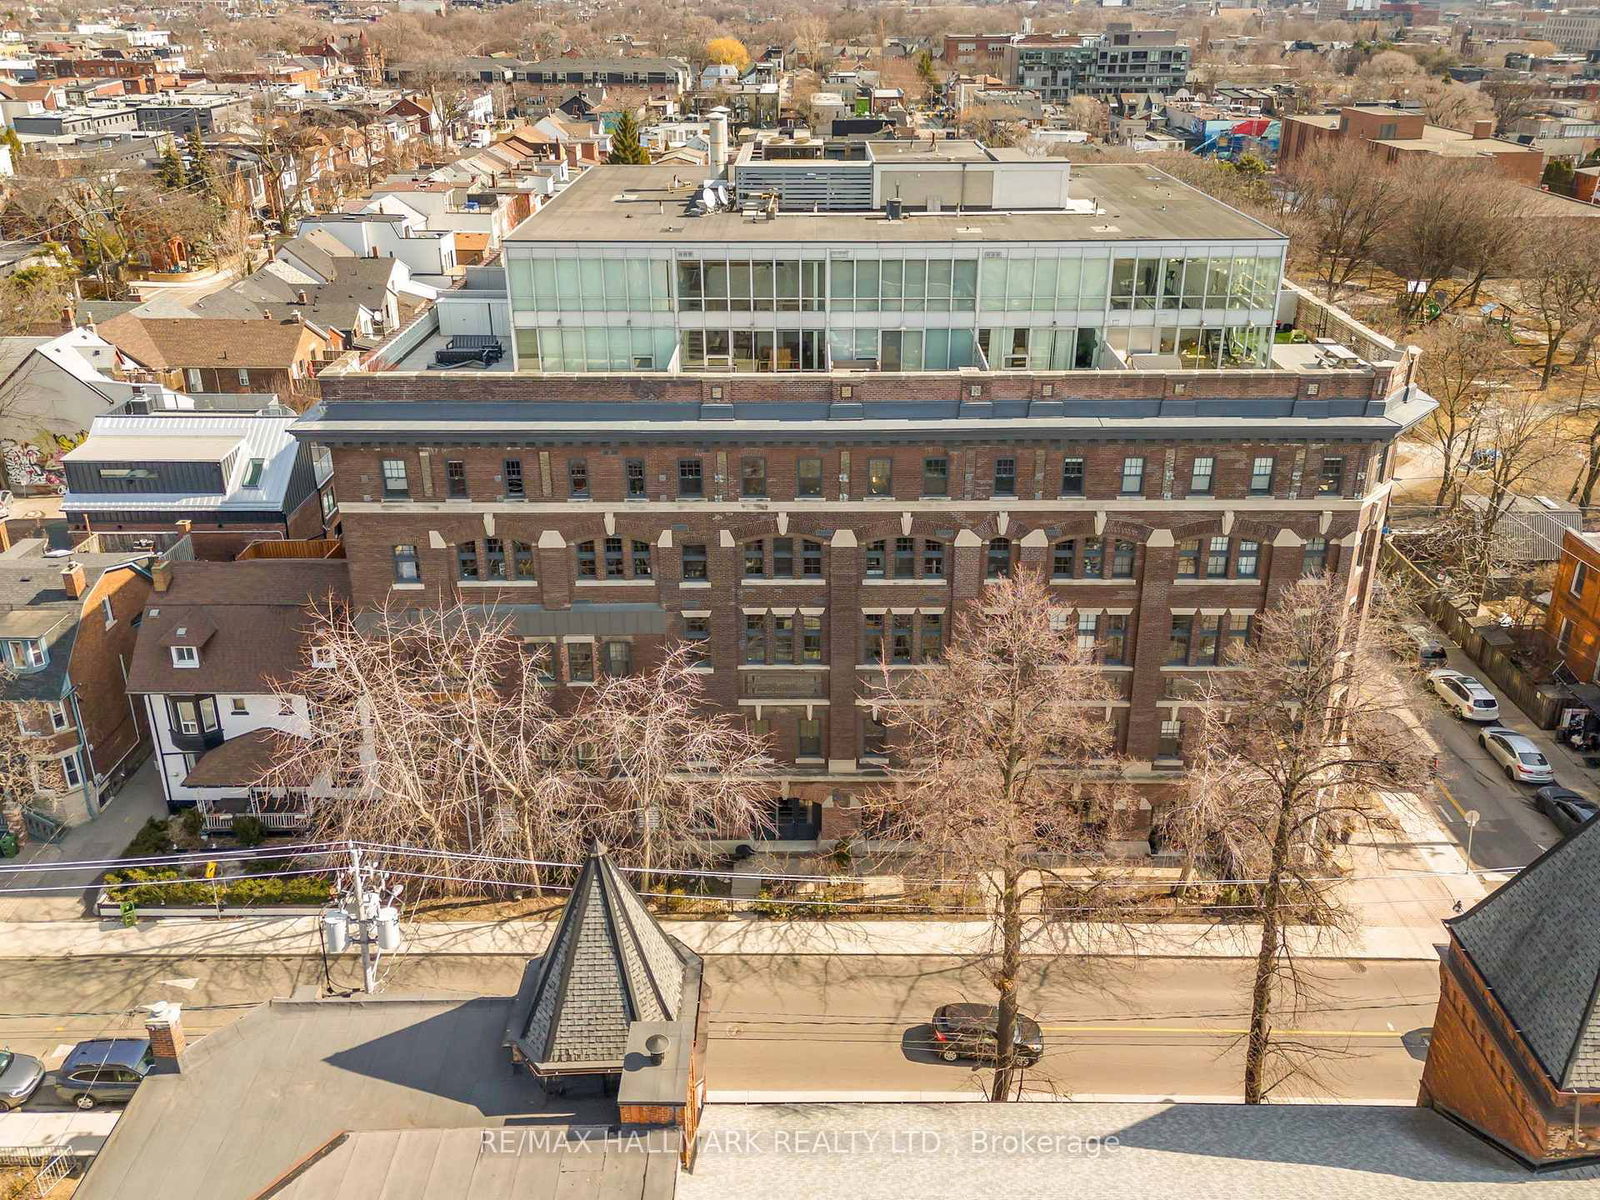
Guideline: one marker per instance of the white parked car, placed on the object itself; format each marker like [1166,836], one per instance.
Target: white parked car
[1469,699]
[1517,755]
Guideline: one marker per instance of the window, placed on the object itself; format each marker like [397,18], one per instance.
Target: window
[1170,745]
[1208,639]
[395,486]
[753,477]
[900,638]
[1178,645]
[588,566]
[1200,474]
[932,559]
[633,476]
[810,559]
[691,483]
[322,657]
[618,658]
[880,477]
[808,477]
[877,560]
[578,478]
[1072,477]
[931,636]
[1237,634]
[1133,476]
[755,638]
[1114,640]
[522,560]
[1189,559]
[1564,635]
[936,477]
[1247,563]
[455,479]
[406,567]
[1094,556]
[580,662]
[1088,626]
[694,562]
[1330,480]
[512,469]
[782,639]
[810,639]
[185,656]
[697,634]
[783,558]
[71,772]
[613,557]
[874,737]
[253,471]
[1122,556]
[641,560]
[1063,557]
[195,714]
[905,558]
[998,561]
[107,612]
[1005,477]
[467,561]
[1580,576]
[872,638]
[1314,558]
[1261,471]
[494,557]
[240,707]
[808,738]
[1217,558]
[755,559]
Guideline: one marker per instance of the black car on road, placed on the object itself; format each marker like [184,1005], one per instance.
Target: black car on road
[971,1031]
[1565,807]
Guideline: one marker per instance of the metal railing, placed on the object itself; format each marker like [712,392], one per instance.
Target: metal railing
[41,826]
[57,1170]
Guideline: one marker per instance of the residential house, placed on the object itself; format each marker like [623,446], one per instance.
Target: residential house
[429,255]
[1396,134]
[1573,619]
[224,467]
[68,621]
[218,642]
[226,355]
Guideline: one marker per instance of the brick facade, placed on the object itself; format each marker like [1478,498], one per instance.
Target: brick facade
[1573,618]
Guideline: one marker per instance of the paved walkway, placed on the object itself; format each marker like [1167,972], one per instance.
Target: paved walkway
[62,895]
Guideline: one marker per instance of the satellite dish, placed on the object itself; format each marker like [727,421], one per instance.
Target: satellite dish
[708,199]
[723,196]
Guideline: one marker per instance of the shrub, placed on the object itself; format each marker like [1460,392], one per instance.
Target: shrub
[153,888]
[152,839]
[193,823]
[824,902]
[249,831]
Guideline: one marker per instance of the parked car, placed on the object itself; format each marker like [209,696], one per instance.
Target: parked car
[971,1031]
[20,1077]
[1517,755]
[105,1070]
[1565,807]
[1465,696]
[1427,651]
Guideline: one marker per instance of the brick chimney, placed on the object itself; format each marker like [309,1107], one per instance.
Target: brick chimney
[165,1027]
[74,581]
[1482,129]
[161,574]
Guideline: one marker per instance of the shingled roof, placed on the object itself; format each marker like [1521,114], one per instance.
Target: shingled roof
[610,963]
[1536,943]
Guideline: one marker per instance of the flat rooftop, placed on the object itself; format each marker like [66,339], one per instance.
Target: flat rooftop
[1135,203]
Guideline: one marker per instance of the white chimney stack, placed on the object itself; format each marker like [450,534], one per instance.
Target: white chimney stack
[719,141]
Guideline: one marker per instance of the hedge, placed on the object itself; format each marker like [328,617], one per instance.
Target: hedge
[149,888]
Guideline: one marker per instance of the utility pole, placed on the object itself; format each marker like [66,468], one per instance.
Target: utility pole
[363,912]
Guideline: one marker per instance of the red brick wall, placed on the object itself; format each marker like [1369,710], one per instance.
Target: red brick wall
[1581,612]
[99,659]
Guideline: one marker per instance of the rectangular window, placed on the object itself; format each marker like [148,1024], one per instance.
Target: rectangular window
[1580,576]
[1247,564]
[1122,560]
[182,656]
[1238,633]
[880,477]
[808,738]
[753,477]
[641,560]
[613,557]
[905,558]
[755,638]
[512,474]
[633,475]
[588,566]
[755,559]
[578,478]
[697,633]
[1005,477]
[900,640]
[1208,636]
[1200,474]
[1088,627]
[931,637]
[1189,559]
[1094,558]
[71,772]
[694,562]
[1330,479]
[107,612]
[1314,558]
[467,561]
[580,662]
[811,559]
[1178,645]
[1072,477]
[782,639]
[936,477]
[1114,640]
[1063,559]
[1217,558]
[1133,476]
[494,558]
[811,639]
[252,473]
[808,477]
[1170,745]
[691,483]
[1564,635]
[783,558]
[932,559]
[877,560]
[455,479]
[872,638]
[522,559]
[395,486]
[874,737]
[1261,471]
[240,707]
[618,658]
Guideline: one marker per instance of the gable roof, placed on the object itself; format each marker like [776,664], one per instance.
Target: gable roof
[173,343]
[610,963]
[1536,943]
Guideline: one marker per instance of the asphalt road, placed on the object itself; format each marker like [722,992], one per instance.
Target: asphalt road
[832,1025]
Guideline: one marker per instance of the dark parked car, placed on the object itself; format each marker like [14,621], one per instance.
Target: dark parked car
[969,1031]
[104,1071]
[20,1076]
[1566,808]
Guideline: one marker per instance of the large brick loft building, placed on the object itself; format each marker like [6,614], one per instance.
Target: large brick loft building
[807,515]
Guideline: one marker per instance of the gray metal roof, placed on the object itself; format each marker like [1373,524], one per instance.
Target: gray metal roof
[256,1097]
[1536,942]
[610,963]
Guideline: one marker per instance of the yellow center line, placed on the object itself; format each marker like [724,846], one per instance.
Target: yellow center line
[1453,802]
[1210,1031]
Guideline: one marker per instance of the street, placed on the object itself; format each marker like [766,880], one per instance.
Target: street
[836,1024]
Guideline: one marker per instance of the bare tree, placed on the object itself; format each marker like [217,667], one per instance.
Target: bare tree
[1448,215]
[1005,775]
[1560,283]
[1512,100]
[1348,200]
[1284,753]
[1463,362]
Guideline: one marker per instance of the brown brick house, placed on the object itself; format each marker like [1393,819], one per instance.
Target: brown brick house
[1572,621]
[1396,135]
[226,355]
[1515,1052]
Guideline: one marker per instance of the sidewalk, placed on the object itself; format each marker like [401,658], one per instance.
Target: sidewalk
[289,937]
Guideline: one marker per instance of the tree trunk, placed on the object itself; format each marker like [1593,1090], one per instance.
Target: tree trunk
[1255,1061]
[1547,368]
[1006,986]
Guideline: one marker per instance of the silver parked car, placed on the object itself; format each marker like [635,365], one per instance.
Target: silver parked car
[20,1077]
[1517,755]
[1465,696]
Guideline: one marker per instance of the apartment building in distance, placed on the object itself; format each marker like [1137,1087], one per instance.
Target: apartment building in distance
[801,438]
[1395,134]
[1101,65]
[1574,30]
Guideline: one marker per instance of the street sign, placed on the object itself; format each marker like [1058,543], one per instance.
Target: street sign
[211,870]
[1471,817]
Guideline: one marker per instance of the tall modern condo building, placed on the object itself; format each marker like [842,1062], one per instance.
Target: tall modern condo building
[797,416]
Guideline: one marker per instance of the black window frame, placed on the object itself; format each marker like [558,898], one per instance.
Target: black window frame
[936,470]
[753,475]
[1005,476]
[1130,471]
[579,485]
[512,479]
[693,561]
[691,479]
[1073,468]
[401,555]
[807,485]
[455,479]
[635,484]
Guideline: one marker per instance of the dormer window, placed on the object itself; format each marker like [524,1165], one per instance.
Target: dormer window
[185,656]
[26,655]
[252,472]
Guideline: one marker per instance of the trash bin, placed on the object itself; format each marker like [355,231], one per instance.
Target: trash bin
[8,844]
